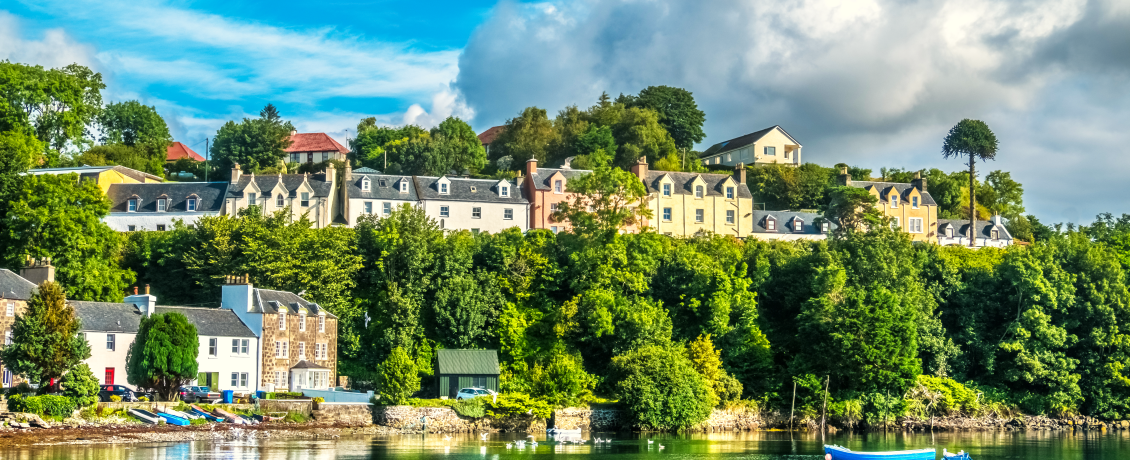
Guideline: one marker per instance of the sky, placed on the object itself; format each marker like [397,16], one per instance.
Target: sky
[872,83]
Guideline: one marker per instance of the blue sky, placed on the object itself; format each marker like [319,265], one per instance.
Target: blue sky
[872,83]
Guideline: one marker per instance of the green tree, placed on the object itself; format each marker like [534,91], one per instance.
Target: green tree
[457,148]
[81,385]
[639,134]
[57,105]
[163,355]
[465,310]
[254,143]
[134,124]
[678,113]
[60,217]
[604,201]
[973,139]
[852,210]
[133,157]
[1005,196]
[368,147]
[529,135]
[398,378]
[708,363]
[45,340]
[661,389]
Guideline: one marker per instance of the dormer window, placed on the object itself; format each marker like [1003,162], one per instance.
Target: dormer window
[914,202]
[473,189]
[996,234]
[251,199]
[558,186]
[443,188]
[280,201]
[698,191]
[162,204]
[729,193]
[798,225]
[131,205]
[366,184]
[403,186]
[771,224]
[949,232]
[504,191]
[382,183]
[666,189]
[894,201]
[825,227]
[191,203]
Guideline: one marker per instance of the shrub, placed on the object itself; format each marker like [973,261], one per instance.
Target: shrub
[22,389]
[142,399]
[80,385]
[474,407]
[115,398]
[938,395]
[319,400]
[661,389]
[512,404]
[60,406]
[398,378]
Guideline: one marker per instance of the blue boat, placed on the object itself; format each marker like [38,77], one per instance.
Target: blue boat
[205,415]
[958,456]
[843,453]
[173,420]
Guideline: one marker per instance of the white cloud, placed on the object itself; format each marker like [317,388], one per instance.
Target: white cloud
[871,82]
[54,49]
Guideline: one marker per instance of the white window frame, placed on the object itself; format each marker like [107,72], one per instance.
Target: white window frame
[914,224]
[302,322]
[914,202]
[235,346]
[321,323]
[508,214]
[667,214]
[368,207]
[190,204]
[699,191]
[770,151]
[278,349]
[305,200]
[444,211]
[243,379]
[798,225]
[731,216]
[280,201]
[825,227]
[476,213]
[403,186]
[245,346]
[235,379]
[895,223]
[10,309]
[558,186]
[131,205]
[949,232]
[301,351]
[729,193]
[366,184]
[162,204]
[699,215]
[443,188]
[894,201]
[213,346]
[771,225]
[282,320]
[505,191]
[386,208]
[251,199]
[111,342]
[666,189]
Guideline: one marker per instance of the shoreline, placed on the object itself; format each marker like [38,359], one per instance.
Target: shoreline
[134,433]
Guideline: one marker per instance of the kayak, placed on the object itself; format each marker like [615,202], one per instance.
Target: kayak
[843,453]
[209,417]
[958,456]
[229,417]
[144,416]
[174,420]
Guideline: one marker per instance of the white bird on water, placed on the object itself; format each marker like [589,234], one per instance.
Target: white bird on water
[447,438]
[650,441]
[661,447]
[509,445]
[483,436]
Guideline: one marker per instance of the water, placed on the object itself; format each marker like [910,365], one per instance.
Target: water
[751,446]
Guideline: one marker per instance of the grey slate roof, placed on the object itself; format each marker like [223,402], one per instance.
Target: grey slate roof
[388,191]
[984,228]
[125,318]
[684,183]
[786,220]
[541,178]
[290,182]
[902,187]
[477,362]
[742,141]
[13,286]
[485,190]
[270,301]
[211,195]
[90,172]
[365,170]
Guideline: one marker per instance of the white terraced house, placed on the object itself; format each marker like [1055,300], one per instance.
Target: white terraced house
[478,205]
[300,194]
[367,191]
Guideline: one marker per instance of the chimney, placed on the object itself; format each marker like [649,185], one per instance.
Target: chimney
[348,175]
[331,173]
[236,294]
[640,168]
[997,219]
[739,173]
[845,178]
[919,182]
[235,173]
[531,166]
[38,270]
[145,303]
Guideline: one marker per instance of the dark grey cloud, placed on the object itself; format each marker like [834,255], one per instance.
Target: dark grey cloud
[875,83]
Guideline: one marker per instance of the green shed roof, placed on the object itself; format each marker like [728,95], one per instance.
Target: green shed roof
[468,362]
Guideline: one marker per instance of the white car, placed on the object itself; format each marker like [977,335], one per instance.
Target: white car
[470,393]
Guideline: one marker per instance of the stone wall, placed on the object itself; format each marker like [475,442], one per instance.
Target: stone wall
[344,413]
[301,406]
[731,420]
[616,419]
[160,405]
[445,420]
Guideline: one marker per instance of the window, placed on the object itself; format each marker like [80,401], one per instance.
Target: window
[443,188]
[995,234]
[301,350]
[162,204]
[387,208]
[8,337]
[111,340]
[553,228]
[895,224]
[557,186]
[243,379]
[305,199]
[381,182]
[321,323]
[11,310]
[160,227]
[825,227]
[505,191]
[699,215]
[132,205]
[667,214]
[213,346]
[191,205]
[771,151]
[729,193]
[508,214]
[949,232]
[444,211]
[235,379]
[473,189]
[771,225]
[302,322]
[244,346]
[914,202]
[251,199]
[279,382]
[279,201]
[553,207]
[786,154]
[798,226]
[698,191]
[235,346]
[282,320]
[286,349]
[729,157]
[131,228]
[403,186]
[666,189]
[366,184]
[730,215]
[368,207]
[278,349]
[915,225]
[894,201]
[476,213]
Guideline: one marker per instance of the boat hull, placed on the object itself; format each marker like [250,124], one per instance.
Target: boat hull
[174,420]
[144,416]
[843,453]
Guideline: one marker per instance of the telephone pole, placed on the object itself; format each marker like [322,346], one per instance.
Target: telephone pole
[207,155]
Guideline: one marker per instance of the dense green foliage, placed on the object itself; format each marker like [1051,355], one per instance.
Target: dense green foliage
[452,146]
[57,406]
[255,143]
[398,378]
[57,106]
[163,355]
[678,112]
[45,339]
[81,385]
[661,388]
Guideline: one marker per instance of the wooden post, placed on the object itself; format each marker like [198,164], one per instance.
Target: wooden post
[886,402]
[824,414]
[793,408]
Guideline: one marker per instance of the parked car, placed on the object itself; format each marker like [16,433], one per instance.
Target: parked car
[106,391]
[470,393]
[198,393]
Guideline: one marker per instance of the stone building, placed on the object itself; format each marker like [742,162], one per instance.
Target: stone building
[15,291]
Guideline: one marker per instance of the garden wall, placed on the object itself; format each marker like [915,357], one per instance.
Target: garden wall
[345,413]
[340,396]
[445,420]
[301,406]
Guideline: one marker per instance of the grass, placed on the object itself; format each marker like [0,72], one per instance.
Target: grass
[295,417]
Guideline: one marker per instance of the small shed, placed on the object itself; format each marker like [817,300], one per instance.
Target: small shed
[456,369]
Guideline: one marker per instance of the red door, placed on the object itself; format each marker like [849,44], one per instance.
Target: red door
[109,376]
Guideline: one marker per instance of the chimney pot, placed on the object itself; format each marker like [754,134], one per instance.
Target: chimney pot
[135,290]
[739,173]
[146,289]
[531,166]
[845,178]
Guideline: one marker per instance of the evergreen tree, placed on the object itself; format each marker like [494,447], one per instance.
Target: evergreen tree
[163,355]
[45,339]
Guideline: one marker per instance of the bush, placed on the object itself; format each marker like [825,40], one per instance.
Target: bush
[319,400]
[60,406]
[474,407]
[398,378]
[81,385]
[115,398]
[516,404]
[142,399]
[22,389]
[661,389]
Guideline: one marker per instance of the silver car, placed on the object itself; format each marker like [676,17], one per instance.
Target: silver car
[470,393]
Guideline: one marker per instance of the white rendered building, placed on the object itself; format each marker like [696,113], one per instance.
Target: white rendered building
[156,206]
[478,205]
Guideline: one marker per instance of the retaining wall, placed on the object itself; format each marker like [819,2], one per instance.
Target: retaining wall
[160,405]
[301,406]
[344,413]
[615,419]
[445,420]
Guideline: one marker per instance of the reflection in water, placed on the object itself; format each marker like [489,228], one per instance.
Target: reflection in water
[761,445]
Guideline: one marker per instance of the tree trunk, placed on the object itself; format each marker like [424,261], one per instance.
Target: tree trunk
[972,207]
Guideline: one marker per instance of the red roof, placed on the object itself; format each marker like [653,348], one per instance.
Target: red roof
[489,135]
[178,150]
[314,142]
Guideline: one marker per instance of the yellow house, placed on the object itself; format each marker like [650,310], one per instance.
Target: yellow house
[771,145]
[104,176]
[311,195]
[910,206]
[688,204]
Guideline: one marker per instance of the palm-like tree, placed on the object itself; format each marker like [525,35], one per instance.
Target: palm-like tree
[974,139]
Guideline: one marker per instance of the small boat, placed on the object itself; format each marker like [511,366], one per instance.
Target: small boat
[206,416]
[248,420]
[263,418]
[558,431]
[228,416]
[174,420]
[958,456]
[184,415]
[144,416]
[843,453]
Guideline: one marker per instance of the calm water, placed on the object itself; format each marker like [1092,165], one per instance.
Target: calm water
[753,446]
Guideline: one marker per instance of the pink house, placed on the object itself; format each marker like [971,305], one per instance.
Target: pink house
[546,188]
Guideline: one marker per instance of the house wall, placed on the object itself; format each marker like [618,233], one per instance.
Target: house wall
[541,204]
[225,362]
[980,242]
[120,221]
[492,215]
[320,211]
[755,153]
[788,236]
[356,208]
[293,336]
[110,177]
[683,208]
[6,323]
[905,211]
[102,358]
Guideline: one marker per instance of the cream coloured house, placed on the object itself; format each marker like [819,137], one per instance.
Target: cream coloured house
[367,191]
[478,205]
[299,194]
[688,204]
[771,145]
